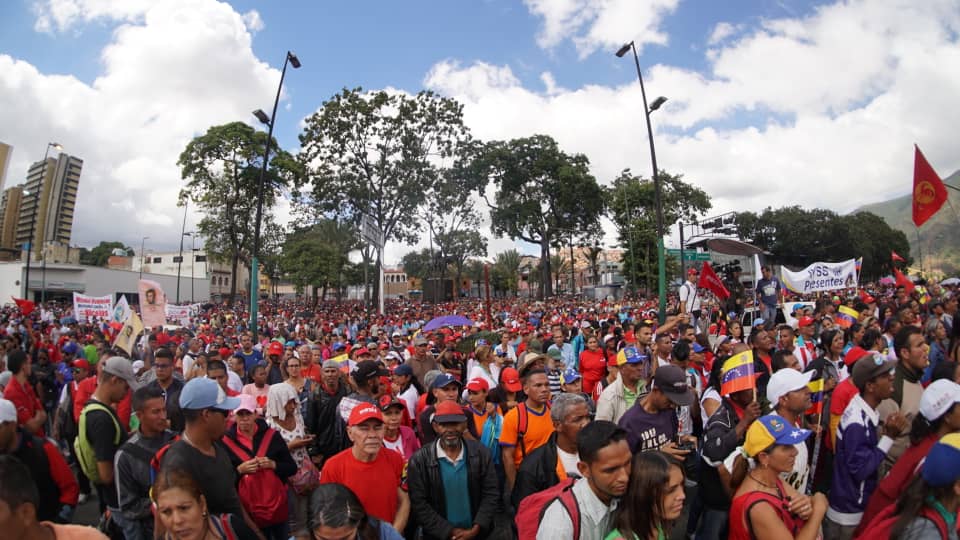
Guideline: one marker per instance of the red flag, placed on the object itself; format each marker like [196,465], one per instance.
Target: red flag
[896,258]
[903,281]
[929,193]
[710,281]
[26,306]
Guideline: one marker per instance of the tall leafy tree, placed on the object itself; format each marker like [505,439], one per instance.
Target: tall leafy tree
[459,245]
[222,170]
[631,202]
[505,274]
[99,255]
[318,256]
[419,264]
[540,191]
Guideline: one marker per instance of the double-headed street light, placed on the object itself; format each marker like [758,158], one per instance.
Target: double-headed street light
[33,218]
[269,122]
[661,263]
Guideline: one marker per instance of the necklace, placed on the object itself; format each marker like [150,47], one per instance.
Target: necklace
[764,484]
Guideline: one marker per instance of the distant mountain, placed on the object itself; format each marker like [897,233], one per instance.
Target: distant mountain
[938,246]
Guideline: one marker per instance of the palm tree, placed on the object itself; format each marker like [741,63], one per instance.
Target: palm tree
[593,256]
[508,262]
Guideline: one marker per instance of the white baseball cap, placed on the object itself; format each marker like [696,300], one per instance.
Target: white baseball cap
[785,381]
[8,412]
[938,398]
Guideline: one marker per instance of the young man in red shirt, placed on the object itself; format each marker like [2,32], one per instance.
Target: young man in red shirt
[358,466]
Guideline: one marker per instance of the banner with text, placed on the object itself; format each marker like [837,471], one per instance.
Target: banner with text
[179,313]
[91,307]
[821,276]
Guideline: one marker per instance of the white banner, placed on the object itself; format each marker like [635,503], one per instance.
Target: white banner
[121,311]
[179,313]
[91,307]
[821,276]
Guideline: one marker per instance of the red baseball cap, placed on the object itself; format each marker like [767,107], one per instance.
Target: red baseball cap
[80,363]
[692,270]
[363,412]
[854,354]
[389,400]
[276,348]
[448,411]
[510,379]
[224,352]
[477,384]
[806,320]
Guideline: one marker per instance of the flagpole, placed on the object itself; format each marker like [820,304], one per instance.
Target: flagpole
[816,449]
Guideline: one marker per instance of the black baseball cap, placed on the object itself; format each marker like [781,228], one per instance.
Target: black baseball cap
[367,369]
[673,383]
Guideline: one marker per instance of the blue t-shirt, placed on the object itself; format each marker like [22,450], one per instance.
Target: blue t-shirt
[251,360]
[768,289]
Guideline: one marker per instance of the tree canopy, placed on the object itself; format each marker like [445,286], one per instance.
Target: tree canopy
[99,255]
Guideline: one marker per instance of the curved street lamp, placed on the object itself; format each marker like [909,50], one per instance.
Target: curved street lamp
[657,199]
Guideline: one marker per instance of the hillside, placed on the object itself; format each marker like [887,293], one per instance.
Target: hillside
[938,242]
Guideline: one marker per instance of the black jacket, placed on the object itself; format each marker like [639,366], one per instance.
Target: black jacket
[425,486]
[277,450]
[719,441]
[326,424]
[537,471]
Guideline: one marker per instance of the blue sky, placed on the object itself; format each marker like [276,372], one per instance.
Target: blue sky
[771,102]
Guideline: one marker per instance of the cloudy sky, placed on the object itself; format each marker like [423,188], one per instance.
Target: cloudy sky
[771,102]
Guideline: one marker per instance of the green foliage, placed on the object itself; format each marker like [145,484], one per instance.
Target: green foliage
[222,169]
[318,256]
[377,153]
[798,237]
[541,192]
[99,255]
[418,264]
[505,273]
[631,202]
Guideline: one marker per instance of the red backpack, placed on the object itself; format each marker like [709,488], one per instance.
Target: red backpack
[881,525]
[263,494]
[531,509]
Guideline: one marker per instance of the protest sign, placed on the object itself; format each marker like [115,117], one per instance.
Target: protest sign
[153,303]
[91,307]
[121,311]
[127,335]
[179,313]
[821,276]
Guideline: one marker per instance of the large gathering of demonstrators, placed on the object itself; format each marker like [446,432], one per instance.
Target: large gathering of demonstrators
[831,416]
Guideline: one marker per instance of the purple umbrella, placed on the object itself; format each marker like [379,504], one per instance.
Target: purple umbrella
[447,320]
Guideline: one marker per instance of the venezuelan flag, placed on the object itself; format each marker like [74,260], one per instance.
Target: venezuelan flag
[737,374]
[816,396]
[847,316]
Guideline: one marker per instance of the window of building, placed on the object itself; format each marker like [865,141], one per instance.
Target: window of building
[201,258]
[157,260]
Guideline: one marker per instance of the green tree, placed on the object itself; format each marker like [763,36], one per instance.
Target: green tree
[505,274]
[631,202]
[318,256]
[457,246]
[378,153]
[540,191]
[222,170]
[418,264]
[99,255]
[474,270]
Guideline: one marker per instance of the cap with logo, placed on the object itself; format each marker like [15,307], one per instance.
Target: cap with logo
[389,400]
[672,381]
[363,412]
[444,379]
[785,381]
[942,466]
[121,367]
[571,375]
[769,430]
[854,354]
[275,348]
[367,369]
[478,384]
[510,379]
[448,412]
[201,393]
[630,355]
[869,367]
[939,398]
[806,320]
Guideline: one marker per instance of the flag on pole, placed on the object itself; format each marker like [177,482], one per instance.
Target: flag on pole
[847,316]
[896,258]
[737,374]
[816,396]
[903,281]
[929,193]
[710,281]
[26,306]
[127,336]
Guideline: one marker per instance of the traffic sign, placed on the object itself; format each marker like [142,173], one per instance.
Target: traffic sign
[689,255]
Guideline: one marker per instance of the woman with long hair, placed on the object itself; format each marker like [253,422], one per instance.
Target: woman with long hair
[939,415]
[182,511]
[283,415]
[735,331]
[928,507]
[936,334]
[301,384]
[654,498]
[485,366]
[337,513]
[764,507]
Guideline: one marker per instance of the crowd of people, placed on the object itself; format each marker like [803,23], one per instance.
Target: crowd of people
[559,419]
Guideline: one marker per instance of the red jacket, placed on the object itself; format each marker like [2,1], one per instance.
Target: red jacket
[25,399]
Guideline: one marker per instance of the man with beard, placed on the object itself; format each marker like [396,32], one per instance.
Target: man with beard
[327,425]
[452,483]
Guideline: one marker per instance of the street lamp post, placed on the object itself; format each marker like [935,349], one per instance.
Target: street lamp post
[661,263]
[33,218]
[142,254]
[270,122]
[180,263]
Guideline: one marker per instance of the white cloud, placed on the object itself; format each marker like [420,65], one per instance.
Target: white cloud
[594,24]
[835,102]
[253,21]
[154,94]
[722,31]
[60,15]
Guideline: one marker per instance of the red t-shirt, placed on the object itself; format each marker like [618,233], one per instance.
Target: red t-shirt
[379,497]
[593,366]
[25,399]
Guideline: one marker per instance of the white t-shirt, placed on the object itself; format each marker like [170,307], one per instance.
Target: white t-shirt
[690,297]
[569,461]
[410,397]
[396,445]
[233,381]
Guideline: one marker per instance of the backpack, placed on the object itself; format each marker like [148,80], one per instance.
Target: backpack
[522,421]
[881,525]
[263,494]
[532,508]
[81,445]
